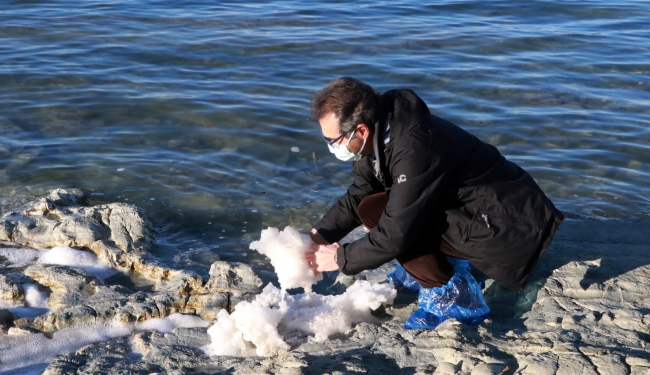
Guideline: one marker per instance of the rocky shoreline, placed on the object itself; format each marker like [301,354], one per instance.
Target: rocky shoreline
[585,309]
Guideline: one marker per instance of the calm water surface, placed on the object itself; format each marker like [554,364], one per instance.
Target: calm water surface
[198,111]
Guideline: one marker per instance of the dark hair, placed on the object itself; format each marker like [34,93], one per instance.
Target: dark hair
[352,102]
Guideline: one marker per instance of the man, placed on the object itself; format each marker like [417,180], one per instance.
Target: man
[426,189]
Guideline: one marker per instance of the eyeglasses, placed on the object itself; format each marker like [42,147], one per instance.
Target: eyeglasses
[332,141]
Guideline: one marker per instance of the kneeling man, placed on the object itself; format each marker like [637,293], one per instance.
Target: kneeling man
[426,189]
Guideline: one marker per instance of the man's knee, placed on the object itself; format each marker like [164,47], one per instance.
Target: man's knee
[371,208]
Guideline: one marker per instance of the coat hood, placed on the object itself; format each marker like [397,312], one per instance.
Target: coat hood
[403,106]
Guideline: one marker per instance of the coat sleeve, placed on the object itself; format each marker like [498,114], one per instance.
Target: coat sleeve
[419,176]
[343,216]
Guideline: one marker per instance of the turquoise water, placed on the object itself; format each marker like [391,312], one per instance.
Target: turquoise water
[191,110]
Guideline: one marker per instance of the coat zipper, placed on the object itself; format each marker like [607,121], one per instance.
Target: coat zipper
[486,219]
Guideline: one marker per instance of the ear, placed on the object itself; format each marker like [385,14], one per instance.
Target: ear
[364,130]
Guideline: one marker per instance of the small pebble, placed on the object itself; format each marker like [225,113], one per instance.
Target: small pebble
[120,169]
[295,149]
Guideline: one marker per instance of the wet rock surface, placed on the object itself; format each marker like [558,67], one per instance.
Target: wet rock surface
[585,310]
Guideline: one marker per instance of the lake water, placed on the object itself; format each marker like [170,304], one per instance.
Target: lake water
[198,111]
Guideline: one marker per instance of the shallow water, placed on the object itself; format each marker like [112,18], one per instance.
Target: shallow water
[191,110]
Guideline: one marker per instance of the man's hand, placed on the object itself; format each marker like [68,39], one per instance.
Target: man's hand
[323,258]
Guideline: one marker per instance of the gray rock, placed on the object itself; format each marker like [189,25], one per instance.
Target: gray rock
[207,306]
[229,284]
[233,277]
[120,235]
[68,285]
[11,288]
[6,320]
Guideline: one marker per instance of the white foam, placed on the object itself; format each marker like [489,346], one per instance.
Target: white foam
[36,303]
[34,297]
[251,323]
[324,316]
[170,323]
[31,354]
[229,338]
[252,328]
[20,257]
[87,261]
[287,250]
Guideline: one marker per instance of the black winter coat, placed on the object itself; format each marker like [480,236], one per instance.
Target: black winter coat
[443,180]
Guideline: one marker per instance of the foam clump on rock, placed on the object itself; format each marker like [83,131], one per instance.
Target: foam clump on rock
[324,316]
[254,327]
[35,297]
[287,249]
[87,261]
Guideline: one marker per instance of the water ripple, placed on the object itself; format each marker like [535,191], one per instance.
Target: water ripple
[192,109]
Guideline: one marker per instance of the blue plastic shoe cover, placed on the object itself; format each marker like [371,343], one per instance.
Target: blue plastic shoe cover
[401,278]
[461,299]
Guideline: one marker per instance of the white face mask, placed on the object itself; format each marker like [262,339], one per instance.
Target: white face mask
[343,153]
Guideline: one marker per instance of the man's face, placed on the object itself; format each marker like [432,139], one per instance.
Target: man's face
[330,127]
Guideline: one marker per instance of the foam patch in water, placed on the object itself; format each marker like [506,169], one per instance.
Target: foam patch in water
[35,299]
[252,328]
[287,250]
[87,261]
[31,354]
[19,257]
[168,324]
